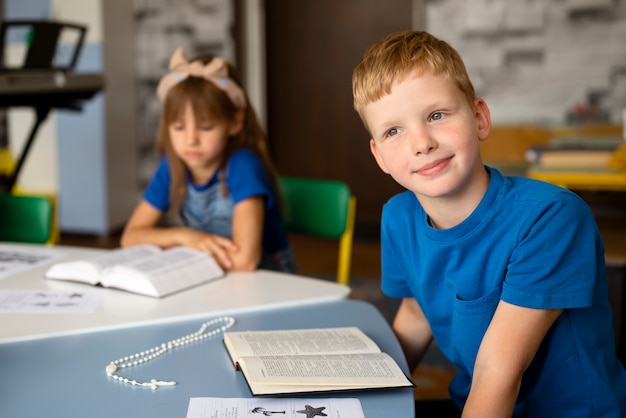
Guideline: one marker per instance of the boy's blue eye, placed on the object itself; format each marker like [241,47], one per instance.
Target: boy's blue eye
[437,116]
[392,132]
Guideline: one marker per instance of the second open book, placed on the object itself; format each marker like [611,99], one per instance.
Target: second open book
[312,360]
[143,269]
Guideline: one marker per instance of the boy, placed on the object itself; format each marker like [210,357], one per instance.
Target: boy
[506,274]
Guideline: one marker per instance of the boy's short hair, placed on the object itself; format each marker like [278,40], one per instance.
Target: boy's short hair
[400,54]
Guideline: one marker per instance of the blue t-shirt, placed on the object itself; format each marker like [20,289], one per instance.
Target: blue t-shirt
[530,244]
[246,177]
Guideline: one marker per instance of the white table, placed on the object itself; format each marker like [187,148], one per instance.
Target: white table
[236,292]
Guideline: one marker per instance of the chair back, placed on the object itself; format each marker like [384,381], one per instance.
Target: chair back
[321,208]
[315,207]
[25,218]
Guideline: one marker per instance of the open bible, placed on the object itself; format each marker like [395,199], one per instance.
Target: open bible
[312,360]
[143,269]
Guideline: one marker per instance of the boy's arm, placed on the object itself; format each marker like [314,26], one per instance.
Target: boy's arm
[507,349]
[413,331]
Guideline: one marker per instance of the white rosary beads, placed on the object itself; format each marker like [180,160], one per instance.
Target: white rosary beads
[155,352]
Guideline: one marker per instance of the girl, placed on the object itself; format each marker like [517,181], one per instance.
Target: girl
[216,179]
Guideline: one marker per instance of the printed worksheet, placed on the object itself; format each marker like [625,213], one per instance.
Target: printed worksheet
[51,301]
[278,407]
[14,258]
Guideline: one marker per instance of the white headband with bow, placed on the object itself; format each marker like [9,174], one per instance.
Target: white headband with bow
[215,72]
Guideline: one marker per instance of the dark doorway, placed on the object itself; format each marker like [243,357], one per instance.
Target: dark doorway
[312,48]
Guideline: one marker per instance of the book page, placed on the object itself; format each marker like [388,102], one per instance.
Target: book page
[89,270]
[300,341]
[279,407]
[164,273]
[124,255]
[164,260]
[79,270]
[185,275]
[369,370]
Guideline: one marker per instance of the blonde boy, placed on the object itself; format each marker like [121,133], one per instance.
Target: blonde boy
[506,274]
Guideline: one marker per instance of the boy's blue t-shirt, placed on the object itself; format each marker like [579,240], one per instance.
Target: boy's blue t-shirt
[246,177]
[530,244]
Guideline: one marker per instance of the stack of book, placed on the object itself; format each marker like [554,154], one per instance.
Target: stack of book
[579,153]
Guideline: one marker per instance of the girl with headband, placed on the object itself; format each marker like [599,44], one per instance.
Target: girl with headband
[215,182]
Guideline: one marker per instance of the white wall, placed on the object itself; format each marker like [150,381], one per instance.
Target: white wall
[87,158]
[534,60]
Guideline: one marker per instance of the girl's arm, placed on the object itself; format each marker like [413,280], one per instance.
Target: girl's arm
[142,228]
[508,347]
[248,221]
[413,331]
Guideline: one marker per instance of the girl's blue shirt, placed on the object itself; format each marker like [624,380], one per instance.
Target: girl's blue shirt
[530,244]
[206,207]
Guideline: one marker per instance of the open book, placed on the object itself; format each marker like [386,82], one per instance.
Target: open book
[312,360]
[144,269]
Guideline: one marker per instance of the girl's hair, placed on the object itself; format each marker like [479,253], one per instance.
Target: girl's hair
[208,102]
[401,54]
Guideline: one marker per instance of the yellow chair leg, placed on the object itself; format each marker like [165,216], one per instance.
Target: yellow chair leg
[6,161]
[345,245]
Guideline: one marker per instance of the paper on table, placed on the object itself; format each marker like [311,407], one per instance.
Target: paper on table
[280,407]
[51,301]
[15,258]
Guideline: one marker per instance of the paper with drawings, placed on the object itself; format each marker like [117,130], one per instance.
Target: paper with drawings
[274,407]
[51,301]
[14,258]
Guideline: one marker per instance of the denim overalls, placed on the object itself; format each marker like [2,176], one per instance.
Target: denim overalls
[211,210]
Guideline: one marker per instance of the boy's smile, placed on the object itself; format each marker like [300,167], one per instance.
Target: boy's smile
[426,136]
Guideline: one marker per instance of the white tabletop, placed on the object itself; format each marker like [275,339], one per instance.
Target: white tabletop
[236,292]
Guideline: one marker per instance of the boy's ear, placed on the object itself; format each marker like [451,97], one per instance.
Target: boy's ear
[483,119]
[377,157]
[237,124]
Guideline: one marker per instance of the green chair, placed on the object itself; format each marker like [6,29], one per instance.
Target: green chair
[322,208]
[25,218]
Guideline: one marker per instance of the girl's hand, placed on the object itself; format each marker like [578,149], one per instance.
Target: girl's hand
[217,246]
